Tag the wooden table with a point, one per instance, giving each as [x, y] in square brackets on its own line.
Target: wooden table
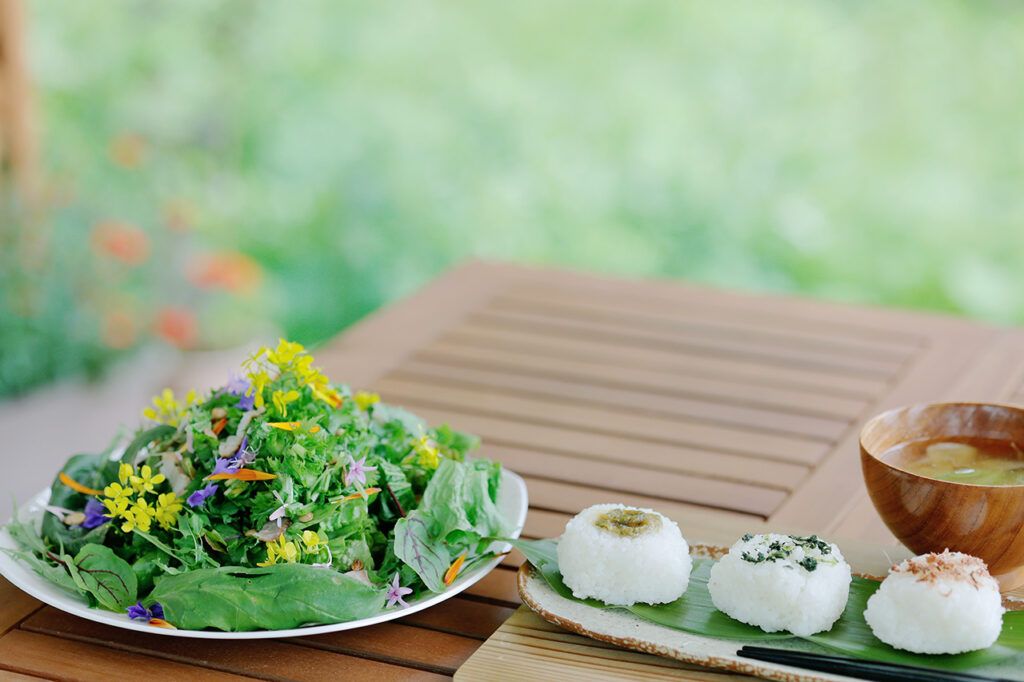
[723, 411]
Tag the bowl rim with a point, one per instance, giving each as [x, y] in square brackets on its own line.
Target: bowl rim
[953, 403]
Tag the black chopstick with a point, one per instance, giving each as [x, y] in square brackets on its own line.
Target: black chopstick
[857, 667]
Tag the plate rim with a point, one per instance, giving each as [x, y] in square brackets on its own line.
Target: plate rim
[512, 491]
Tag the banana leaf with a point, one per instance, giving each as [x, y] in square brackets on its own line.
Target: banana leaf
[695, 613]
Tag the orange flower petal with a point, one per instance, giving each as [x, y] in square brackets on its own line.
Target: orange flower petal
[219, 426]
[356, 496]
[243, 475]
[78, 487]
[161, 623]
[290, 426]
[453, 570]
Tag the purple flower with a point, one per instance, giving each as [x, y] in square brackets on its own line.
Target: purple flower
[95, 514]
[225, 465]
[246, 402]
[396, 592]
[140, 612]
[197, 498]
[357, 472]
[237, 384]
[245, 454]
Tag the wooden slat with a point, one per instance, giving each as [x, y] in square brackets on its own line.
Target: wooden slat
[672, 374]
[462, 617]
[65, 659]
[614, 449]
[552, 412]
[498, 587]
[737, 496]
[528, 648]
[9, 676]
[288, 659]
[642, 311]
[422, 648]
[15, 605]
[765, 350]
[766, 419]
[572, 496]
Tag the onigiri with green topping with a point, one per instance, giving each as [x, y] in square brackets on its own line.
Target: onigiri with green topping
[782, 582]
[624, 555]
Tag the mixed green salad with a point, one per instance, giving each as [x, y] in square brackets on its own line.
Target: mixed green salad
[275, 501]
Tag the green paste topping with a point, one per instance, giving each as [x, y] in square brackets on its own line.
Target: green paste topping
[628, 523]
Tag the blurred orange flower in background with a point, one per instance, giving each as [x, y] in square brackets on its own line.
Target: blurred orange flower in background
[179, 214]
[119, 329]
[121, 241]
[229, 270]
[177, 326]
[127, 150]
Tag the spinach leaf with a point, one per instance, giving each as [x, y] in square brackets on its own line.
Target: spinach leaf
[420, 551]
[276, 597]
[106, 576]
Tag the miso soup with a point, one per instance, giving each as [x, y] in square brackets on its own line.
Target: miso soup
[979, 461]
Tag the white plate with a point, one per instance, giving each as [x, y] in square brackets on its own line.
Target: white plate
[512, 501]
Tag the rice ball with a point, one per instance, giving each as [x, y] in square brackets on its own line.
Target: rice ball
[782, 582]
[623, 555]
[944, 603]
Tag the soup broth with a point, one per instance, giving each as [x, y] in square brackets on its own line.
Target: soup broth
[979, 461]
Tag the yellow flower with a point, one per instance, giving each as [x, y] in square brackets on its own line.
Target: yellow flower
[129, 521]
[259, 381]
[116, 492]
[281, 400]
[142, 514]
[285, 353]
[165, 409]
[167, 507]
[313, 541]
[364, 399]
[282, 550]
[116, 506]
[428, 452]
[191, 398]
[146, 480]
[124, 472]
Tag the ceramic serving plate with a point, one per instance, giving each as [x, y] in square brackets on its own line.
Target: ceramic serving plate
[623, 629]
[512, 500]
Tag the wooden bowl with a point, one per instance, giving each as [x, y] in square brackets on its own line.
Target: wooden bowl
[929, 515]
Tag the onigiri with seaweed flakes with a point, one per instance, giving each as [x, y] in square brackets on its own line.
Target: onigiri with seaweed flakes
[782, 582]
[624, 555]
[944, 603]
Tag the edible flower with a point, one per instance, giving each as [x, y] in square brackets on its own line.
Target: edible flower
[427, 451]
[453, 570]
[237, 384]
[281, 400]
[355, 496]
[313, 541]
[243, 475]
[281, 549]
[94, 514]
[291, 426]
[225, 465]
[144, 482]
[167, 410]
[197, 498]
[357, 472]
[364, 399]
[140, 612]
[139, 516]
[167, 508]
[396, 592]
[246, 402]
[76, 486]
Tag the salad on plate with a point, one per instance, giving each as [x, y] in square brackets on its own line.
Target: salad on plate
[276, 501]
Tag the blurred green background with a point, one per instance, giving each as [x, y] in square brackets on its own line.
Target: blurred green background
[332, 156]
